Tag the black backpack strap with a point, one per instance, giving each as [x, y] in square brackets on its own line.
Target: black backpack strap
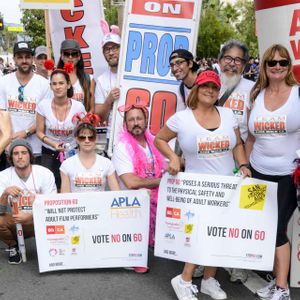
[181, 90]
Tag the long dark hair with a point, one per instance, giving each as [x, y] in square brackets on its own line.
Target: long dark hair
[82, 77]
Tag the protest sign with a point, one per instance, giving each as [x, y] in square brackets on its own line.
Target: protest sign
[83, 25]
[216, 220]
[152, 30]
[47, 4]
[277, 22]
[92, 230]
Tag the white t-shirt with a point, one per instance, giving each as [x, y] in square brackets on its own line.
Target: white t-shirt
[277, 135]
[40, 181]
[78, 91]
[104, 84]
[23, 112]
[205, 151]
[59, 131]
[122, 161]
[87, 180]
[239, 102]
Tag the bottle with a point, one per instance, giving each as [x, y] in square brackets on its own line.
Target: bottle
[69, 151]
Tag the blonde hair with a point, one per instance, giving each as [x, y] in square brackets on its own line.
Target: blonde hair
[263, 81]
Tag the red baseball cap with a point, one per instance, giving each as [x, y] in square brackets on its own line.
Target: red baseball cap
[208, 76]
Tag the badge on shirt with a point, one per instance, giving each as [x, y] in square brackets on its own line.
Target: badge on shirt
[270, 125]
[212, 146]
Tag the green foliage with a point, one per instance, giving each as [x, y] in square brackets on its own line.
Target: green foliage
[110, 12]
[212, 34]
[34, 24]
[7, 40]
[245, 26]
[221, 21]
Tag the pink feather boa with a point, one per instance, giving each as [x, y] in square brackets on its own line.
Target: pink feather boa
[139, 160]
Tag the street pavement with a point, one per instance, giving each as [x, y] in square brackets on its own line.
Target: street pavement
[24, 282]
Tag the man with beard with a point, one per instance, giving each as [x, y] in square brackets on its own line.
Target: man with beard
[138, 163]
[22, 181]
[106, 91]
[20, 92]
[184, 68]
[235, 90]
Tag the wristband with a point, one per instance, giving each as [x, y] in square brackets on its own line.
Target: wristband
[244, 165]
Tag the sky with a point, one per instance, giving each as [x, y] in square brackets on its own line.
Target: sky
[11, 11]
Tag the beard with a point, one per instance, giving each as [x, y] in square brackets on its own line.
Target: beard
[139, 133]
[228, 82]
[25, 71]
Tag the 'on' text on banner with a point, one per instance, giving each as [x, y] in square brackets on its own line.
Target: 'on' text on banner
[92, 230]
[217, 221]
[152, 30]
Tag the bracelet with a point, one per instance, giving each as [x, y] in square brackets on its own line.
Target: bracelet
[244, 165]
[43, 138]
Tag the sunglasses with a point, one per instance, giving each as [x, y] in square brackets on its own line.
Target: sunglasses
[21, 93]
[82, 138]
[282, 63]
[125, 108]
[71, 54]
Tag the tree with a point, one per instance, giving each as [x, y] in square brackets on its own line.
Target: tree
[245, 26]
[34, 24]
[110, 12]
[213, 31]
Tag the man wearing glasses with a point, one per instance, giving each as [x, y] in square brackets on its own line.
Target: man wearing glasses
[106, 91]
[184, 68]
[235, 90]
[20, 93]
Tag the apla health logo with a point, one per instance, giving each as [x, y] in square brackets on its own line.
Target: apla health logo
[125, 202]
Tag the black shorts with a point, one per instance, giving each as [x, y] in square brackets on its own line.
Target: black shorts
[286, 200]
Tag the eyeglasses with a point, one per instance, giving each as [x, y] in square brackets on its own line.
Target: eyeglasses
[237, 60]
[82, 138]
[282, 63]
[21, 93]
[177, 63]
[71, 54]
[114, 48]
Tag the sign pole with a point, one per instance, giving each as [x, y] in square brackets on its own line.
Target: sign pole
[47, 29]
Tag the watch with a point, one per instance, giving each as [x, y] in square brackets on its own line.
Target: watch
[27, 131]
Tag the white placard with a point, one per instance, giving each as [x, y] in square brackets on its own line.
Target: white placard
[83, 25]
[92, 230]
[152, 30]
[215, 220]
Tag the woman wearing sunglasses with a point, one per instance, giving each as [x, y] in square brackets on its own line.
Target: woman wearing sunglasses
[54, 123]
[82, 82]
[87, 171]
[274, 126]
[202, 122]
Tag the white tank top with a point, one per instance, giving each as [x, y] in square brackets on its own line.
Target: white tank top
[277, 135]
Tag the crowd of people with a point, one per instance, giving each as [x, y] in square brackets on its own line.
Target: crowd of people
[48, 137]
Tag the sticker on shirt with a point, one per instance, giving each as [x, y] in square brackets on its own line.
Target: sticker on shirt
[25, 201]
[270, 125]
[212, 146]
[236, 102]
[61, 131]
[25, 107]
[92, 181]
